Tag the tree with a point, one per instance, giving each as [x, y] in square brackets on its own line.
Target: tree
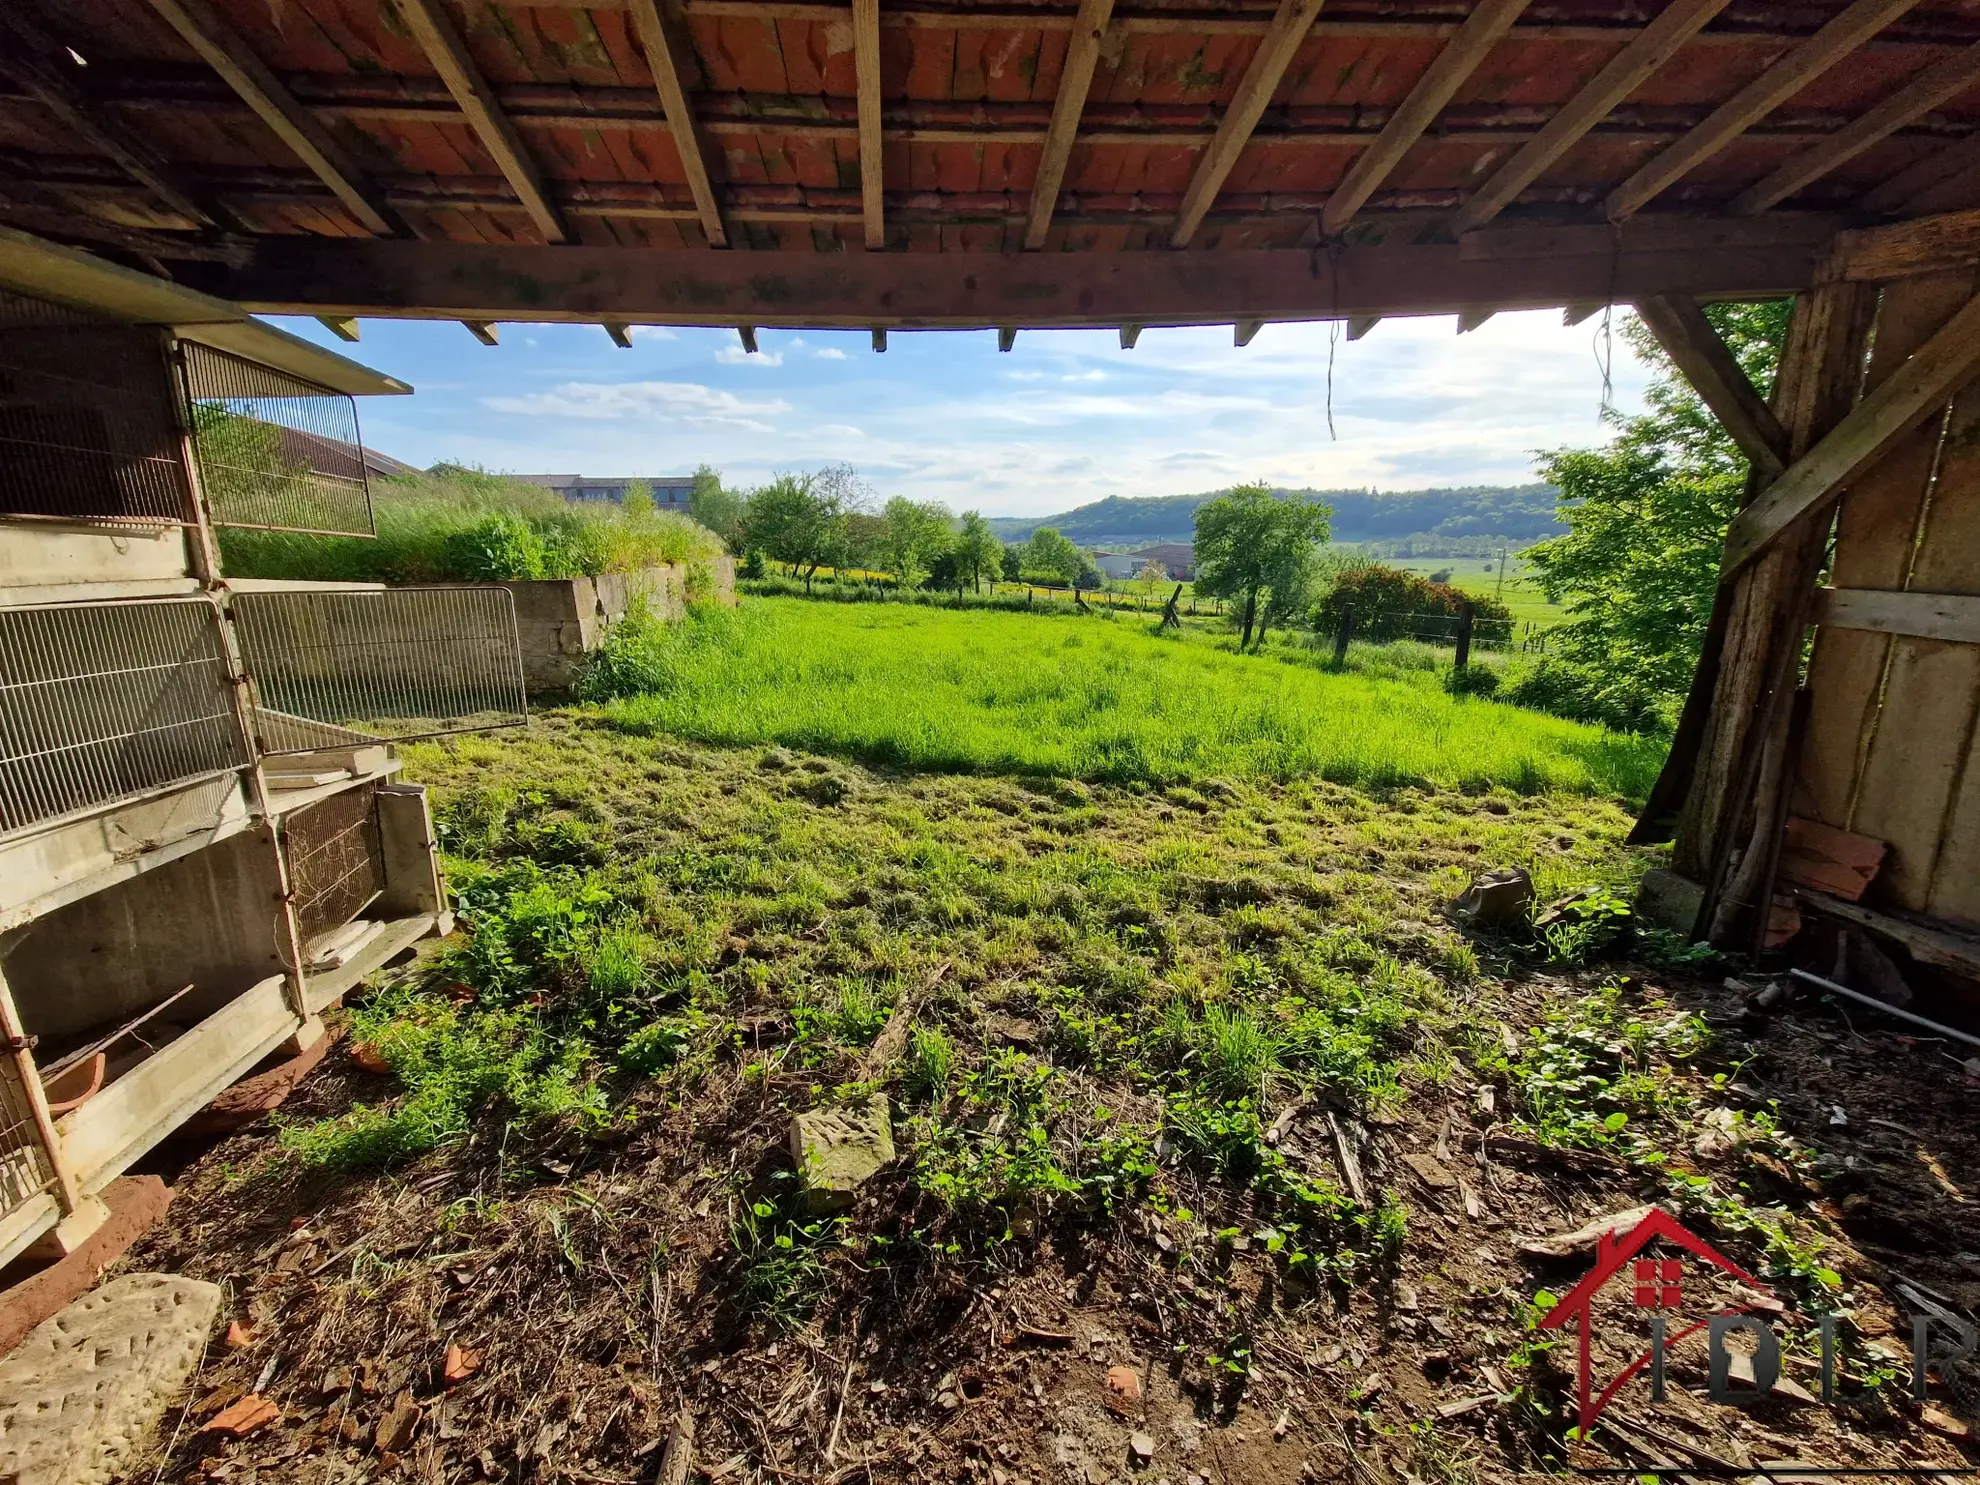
[914, 534]
[1051, 555]
[978, 551]
[717, 508]
[638, 499]
[1251, 543]
[1647, 516]
[789, 521]
[1013, 564]
[1150, 576]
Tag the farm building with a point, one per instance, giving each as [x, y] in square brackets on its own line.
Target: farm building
[669, 491]
[1115, 564]
[1018, 167]
[203, 840]
[1177, 558]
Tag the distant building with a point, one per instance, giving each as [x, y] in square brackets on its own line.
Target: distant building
[335, 456]
[670, 491]
[1116, 564]
[1179, 557]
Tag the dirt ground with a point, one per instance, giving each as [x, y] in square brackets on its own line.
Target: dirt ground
[543, 1304]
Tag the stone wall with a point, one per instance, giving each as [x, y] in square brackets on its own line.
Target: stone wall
[561, 620]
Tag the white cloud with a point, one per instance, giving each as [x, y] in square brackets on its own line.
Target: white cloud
[653, 332]
[1094, 375]
[829, 353]
[735, 355]
[675, 402]
[844, 430]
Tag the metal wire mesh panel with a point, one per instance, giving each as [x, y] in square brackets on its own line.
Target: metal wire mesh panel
[275, 452]
[336, 863]
[88, 426]
[103, 701]
[25, 1171]
[402, 662]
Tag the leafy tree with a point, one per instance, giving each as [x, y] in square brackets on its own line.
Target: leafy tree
[1253, 544]
[1647, 516]
[717, 508]
[977, 550]
[1013, 564]
[1150, 576]
[1051, 555]
[789, 520]
[915, 534]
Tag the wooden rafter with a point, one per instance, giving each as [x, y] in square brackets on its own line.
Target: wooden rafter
[1006, 337]
[344, 327]
[1949, 243]
[1482, 30]
[483, 331]
[1627, 71]
[1290, 24]
[1938, 84]
[688, 143]
[1716, 375]
[879, 339]
[1360, 325]
[29, 60]
[620, 333]
[1130, 334]
[444, 48]
[1470, 319]
[1082, 53]
[1906, 398]
[1905, 192]
[1244, 330]
[222, 49]
[1772, 88]
[872, 171]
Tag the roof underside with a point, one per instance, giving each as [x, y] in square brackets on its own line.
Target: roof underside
[546, 127]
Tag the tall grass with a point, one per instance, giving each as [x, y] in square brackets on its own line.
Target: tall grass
[465, 525]
[1090, 697]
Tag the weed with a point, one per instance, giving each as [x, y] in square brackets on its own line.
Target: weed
[780, 1258]
[931, 1057]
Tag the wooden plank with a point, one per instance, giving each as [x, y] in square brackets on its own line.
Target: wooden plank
[1470, 319]
[1130, 334]
[1946, 243]
[1483, 29]
[1876, 533]
[1007, 337]
[1830, 860]
[1082, 53]
[342, 326]
[1928, 942]
[620, 333]
[442, 44]
[1903, 194]
[1717, 377]
[1913, 392]
[872, 175]
[376, 277]
[1624, 73]
[1291, 22]
[29, 61]
[662, 61]
[1937, 84]
[222, 49]
[747, 335]
[1951, 617]
[1780, 82]
[483, 331]
[1652, 234]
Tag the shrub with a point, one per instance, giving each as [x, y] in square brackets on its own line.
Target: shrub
[1584, 694]
[1389, 603]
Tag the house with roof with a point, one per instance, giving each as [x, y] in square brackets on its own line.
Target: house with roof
[1178, 558]
[670, 491]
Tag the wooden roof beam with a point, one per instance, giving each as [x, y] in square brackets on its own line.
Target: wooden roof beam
[1905, 399]
[661, 61]
[872, 176]
[1360, 325]
[31, 62]
[879, 339]
[443, 47]
[1006, 337]
[1082, 53]
[1461, 56]
[620, 333]
[1290, 24]
[1717, 377]
[482, 330]
[1768, 91]
[1574, 314]
[747, 335]
[1130, 336]
[1470, 319]
[1243, 332]
[344, 327]
[1937, 84]
[222, 49]
[1625, 72]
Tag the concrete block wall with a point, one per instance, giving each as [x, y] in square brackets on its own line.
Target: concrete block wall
[561, 620]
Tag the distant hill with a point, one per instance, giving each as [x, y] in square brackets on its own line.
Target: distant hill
[1515, 513]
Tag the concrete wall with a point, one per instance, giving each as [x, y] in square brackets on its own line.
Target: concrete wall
[561, 620]
[43, 561]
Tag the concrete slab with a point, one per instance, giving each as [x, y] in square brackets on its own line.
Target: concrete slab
[86, 1388]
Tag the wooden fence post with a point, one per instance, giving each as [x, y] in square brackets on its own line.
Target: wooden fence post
[1343, 633]
[1466, 615]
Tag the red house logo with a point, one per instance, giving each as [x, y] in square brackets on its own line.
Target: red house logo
[1657, 1285]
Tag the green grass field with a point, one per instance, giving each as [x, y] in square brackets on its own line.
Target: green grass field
[1098, 698]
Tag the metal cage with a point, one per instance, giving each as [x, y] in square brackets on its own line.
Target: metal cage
[336, 859]
[275, 452]
[25, 1169]
[392, 663]
[101, 702]
[89, 430]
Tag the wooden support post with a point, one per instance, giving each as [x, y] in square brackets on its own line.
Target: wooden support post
[1467, 617]
[1343, 632]
[483, 331]
[621, 334]
[344, 327]
[879, 339]
[1006, 337]
[1129, 335]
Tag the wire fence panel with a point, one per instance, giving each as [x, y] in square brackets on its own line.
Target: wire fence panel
[104, 701]
[275, 452]
[25, 1170]
[336, 861]
[88, 427]
[396, 663]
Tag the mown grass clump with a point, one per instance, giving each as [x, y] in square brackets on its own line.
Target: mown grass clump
[463, 525]
[1091, 698]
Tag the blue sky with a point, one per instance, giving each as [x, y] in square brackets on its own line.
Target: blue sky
[1065, 418]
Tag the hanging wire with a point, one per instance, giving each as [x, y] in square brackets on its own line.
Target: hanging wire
[1605, 356]
[1333, 339]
